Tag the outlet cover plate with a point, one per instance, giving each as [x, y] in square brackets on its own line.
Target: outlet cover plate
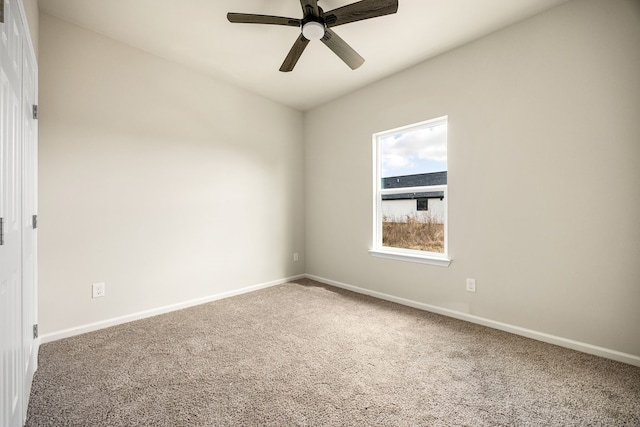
[471, 285]
[98, 290]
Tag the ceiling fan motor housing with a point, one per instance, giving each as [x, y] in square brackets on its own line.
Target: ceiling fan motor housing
[313, 30]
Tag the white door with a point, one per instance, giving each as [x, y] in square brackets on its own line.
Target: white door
[18, 260]
[29, 230]
[11, 214]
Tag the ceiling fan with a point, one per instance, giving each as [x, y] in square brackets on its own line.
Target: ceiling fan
[316, 24]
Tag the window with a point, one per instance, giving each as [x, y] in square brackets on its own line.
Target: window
[422, 204]
[410, 193]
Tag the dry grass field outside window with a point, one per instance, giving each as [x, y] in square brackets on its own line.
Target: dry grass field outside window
[421, 232]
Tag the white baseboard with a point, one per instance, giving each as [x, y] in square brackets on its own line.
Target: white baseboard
[66, 333]
[540, 336]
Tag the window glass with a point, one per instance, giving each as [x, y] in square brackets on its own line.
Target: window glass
[411, 188]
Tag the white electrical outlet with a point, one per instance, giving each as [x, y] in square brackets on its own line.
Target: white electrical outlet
[295, 257]
[471, 285]
[98, 290]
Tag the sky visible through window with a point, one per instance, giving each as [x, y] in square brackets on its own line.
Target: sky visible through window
[414, 151]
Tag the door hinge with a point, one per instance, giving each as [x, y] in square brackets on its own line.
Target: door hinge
[34, 221]
[35, 331]
[35, 112]
[1, 227]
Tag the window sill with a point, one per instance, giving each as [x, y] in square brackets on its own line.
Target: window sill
[411, 256]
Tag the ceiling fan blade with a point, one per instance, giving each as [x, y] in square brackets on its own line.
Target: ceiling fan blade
[358, 11]
[342, 49]
[294, 54]
[249, 18]
[310, 7]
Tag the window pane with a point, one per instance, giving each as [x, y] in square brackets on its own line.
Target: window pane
[414, 151]
[414, 157]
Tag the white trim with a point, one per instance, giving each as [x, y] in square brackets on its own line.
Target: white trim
[410, 256]
[66, 333]
[540, 336]
[377, 200]
[427, 123]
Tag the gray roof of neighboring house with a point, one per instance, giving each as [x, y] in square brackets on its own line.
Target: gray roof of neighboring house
[405, 196]
[418, 180]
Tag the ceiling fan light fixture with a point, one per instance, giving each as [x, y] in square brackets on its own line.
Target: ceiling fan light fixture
[313, 30]
[316, 24]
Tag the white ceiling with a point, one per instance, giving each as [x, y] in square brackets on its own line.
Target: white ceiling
[197, 34]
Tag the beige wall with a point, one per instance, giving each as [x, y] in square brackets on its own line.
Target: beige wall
[164, 183]
[543, 124]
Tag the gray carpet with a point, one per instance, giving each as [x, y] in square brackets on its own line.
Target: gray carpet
[308, 354]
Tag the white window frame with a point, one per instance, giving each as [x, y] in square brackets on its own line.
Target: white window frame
[378, 250]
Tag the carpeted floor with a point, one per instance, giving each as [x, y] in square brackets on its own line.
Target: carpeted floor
[308, 354]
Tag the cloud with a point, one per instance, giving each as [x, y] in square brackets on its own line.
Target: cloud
[415, 151]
